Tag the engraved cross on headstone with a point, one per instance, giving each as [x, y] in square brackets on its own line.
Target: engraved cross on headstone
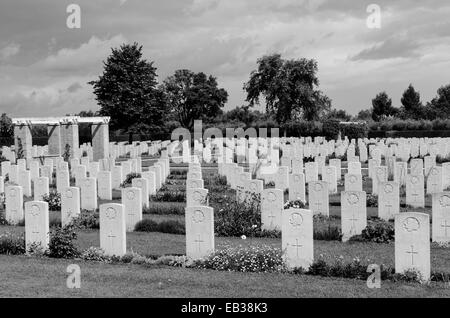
[412, 252]
[297, 246]
[446, 226]
[111, 237]
[199, 241]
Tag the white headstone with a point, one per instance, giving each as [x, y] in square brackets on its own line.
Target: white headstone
[199, 231]
[88, 190]
[113, 229]
[14, 204]
[131, 200]
[36, 225]
[318, 199]
[271, 209]
[70, 204]
[388, 200]
[353, 213]
[441, 217]
[415, 193]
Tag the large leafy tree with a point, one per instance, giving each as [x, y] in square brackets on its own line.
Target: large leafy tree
[6, 126]
[382, 107]
[127, 92]
[411, 104]
[193, 96]
[439, 107]
[289, 88]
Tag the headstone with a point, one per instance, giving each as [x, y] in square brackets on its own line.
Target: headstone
[329, 176]
[40, 188]
[88, 190]
[416, 167]
[142, 184]
[25, 182]
[353, 213]
[434, 180]
[62, 180]
[412, 243]
[297, 238]
[199, 231]
[380, 175]
[150, 176]
[311, 172]
[113, 229]
[441, 217]
[104, 185]
[318, 197]
[337, 163]
[36, 225]
[14, 204]
[388, 200]
[132, 201]
[116, 177]
[70, 204]
[354, 168]
[353, 182]
[297, 187]
[415, 193]
[196, 197]
[271, 209]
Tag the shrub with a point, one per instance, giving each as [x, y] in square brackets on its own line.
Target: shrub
[53, 199]
[86, 220]
[376, 231]
[331, 233]
[170, 226]
[95, 254]
[355, 131]
[11, 244]
[245, 259]
[169, 196]
[164, 209]
[331, 128]
[236, 218]
[296, 204]
[371, 200]
[61, 243]
[129, 178]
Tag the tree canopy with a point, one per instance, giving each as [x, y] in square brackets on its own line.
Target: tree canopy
[194, 96]
[127, 92]
[289, 88]
[382, 107]
[411, 105]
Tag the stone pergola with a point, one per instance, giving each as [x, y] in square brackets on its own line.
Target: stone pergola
[63, 131]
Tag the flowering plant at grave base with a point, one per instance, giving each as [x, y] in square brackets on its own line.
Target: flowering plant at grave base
[36, 250]
[296, 204]
[371, 200]
[11, 244]
[95, 254]
[53, 199]
[86, 220]
[129, 178]
[376, 231]
[261, 258]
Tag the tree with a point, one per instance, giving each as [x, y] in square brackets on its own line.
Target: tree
[411, 104]
[439, 107]
[194, 96]
[365, 114]
[338, 114]
[288, 87]
[6, 126]
[127, 92]
[382, 107]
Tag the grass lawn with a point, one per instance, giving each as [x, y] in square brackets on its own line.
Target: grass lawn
[40, 277]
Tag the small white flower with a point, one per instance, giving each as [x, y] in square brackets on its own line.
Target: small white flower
[243, 237]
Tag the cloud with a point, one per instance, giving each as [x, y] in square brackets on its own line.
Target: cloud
[9, 51]
[389, 49]
[74, 87]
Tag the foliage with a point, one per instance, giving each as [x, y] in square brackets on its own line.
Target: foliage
[296, 204]
[288, 88]
[439, 107]
[371, 200]
[193, 96]
[94, 254]
[6, 126]
[331, 128]
[170, 226]
[62, 242]
[331, 233]
[382, 107]
[169, 196]
[355, 130]
[245, 259]
[376, 231]
[12, 244]
[129, 179]
[66, 154]
[164, 209]
[236, 218]
[53, 199]
[86, 220]
[127, 92]
[20, 153]
[411, 105]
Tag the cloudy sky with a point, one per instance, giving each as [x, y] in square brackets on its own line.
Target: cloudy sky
[45, 66]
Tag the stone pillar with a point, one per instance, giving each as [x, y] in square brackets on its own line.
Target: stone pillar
[23, 132]
[54, 140]
[100, 141]
[69, 136]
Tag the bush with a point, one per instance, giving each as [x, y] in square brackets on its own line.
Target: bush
[355, 131]
[245, 259]
[164, 209]
[170, 226]
[296, 204]
[61, 243]
[376, 231]
[95, 254]
[86, 220]
[53, 199]
[331, 128]
[331, 233]
[371, 200]
[236, 218]
[11, 244]
[169, 196]
[128, 180]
